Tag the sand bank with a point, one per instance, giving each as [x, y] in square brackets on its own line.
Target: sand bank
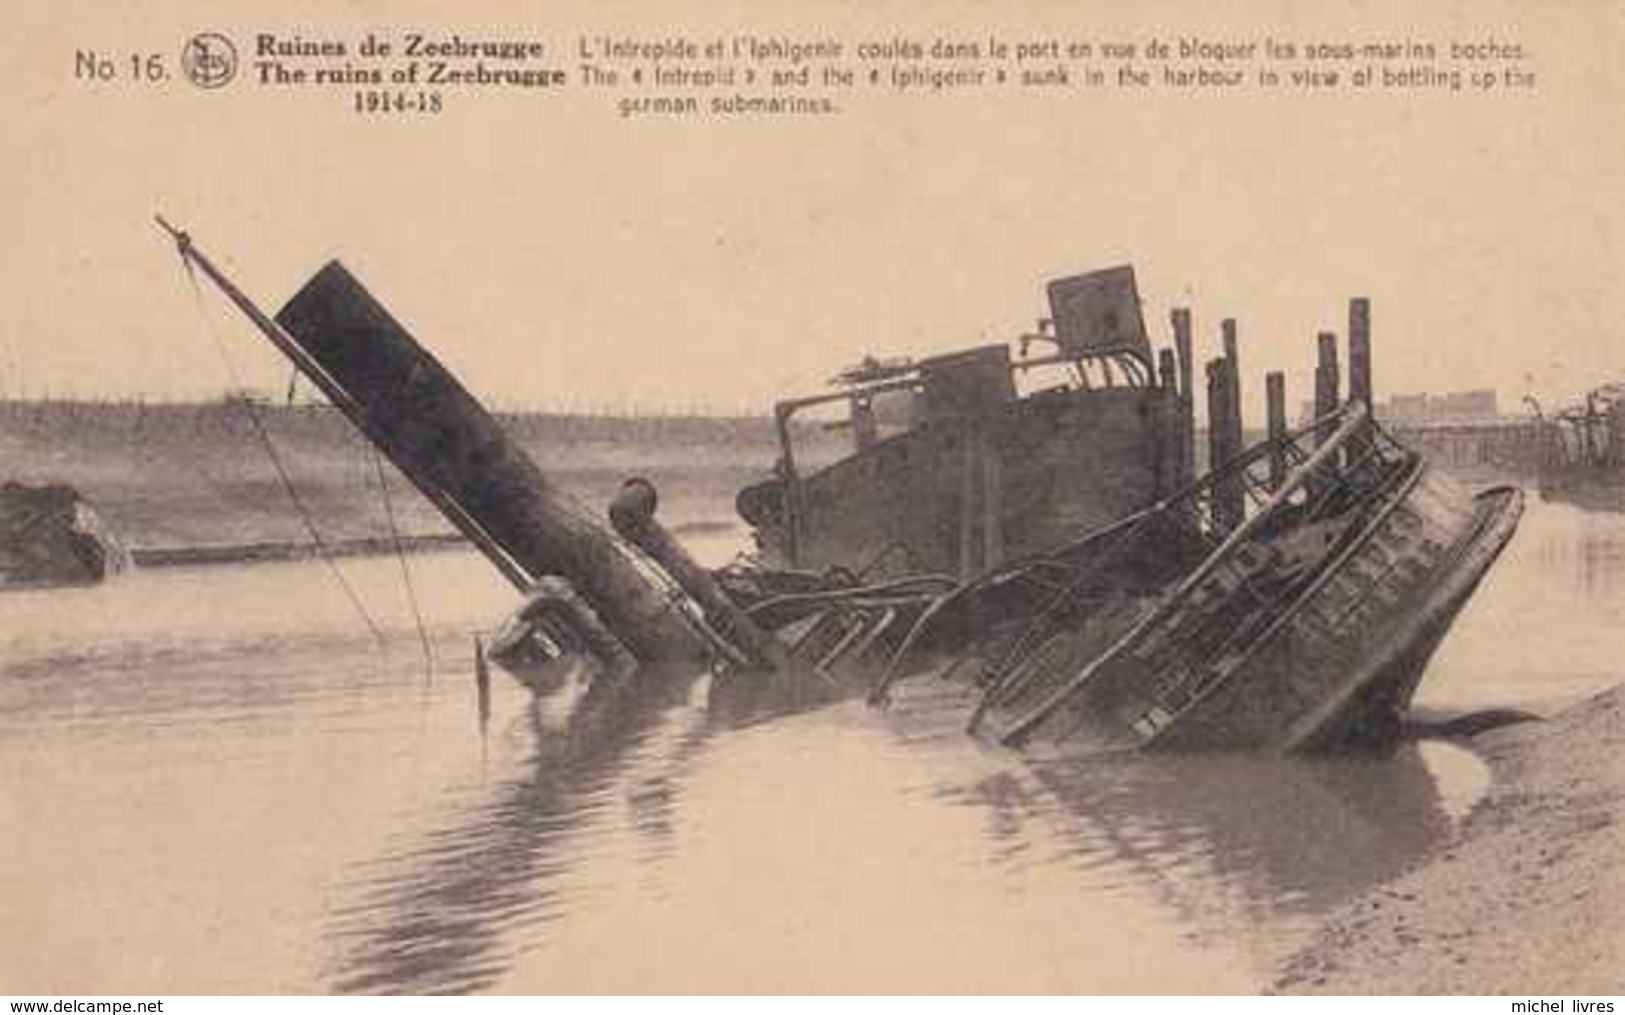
[1530, 897]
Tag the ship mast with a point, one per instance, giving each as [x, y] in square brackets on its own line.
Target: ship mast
[335, 393]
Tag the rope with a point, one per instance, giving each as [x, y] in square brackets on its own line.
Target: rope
[286, 480]
[400, 555]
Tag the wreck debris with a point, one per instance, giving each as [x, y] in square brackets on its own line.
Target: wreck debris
[50, 535]
[414, 411]
[1308, 626]
[1585, 459]
[1304, 624]
[632, 513]
[1288, 599]
[554, 622]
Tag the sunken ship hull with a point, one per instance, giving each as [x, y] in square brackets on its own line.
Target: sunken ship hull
[1343, 667]
[953, 497]
[1288, 599]
[990, 457]
[1306, 628]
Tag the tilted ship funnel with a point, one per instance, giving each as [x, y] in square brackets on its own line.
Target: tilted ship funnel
[436, 433]
[413, 410]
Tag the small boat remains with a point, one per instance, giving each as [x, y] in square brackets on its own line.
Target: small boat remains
[50, 535]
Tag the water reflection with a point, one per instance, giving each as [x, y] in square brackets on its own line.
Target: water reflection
[1283, 835]
[226, 788]
[1244, 851]
[438, 918]
[621, 808]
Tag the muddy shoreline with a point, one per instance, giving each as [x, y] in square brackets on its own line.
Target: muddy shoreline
[1526, 899]
[265, 551]
[260, 552]
[183, 484]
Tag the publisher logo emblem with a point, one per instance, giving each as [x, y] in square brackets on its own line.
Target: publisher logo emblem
[209, 59]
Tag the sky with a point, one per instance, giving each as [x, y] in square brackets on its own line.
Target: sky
[556, 256]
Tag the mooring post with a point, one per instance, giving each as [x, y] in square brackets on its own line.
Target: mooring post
[969, 479]
[1170, 471]
[1233, 488]
[1167, 375]
[1180, 317]
[1360, 366]
[1325, 381]
[792, 483]
[1275, 398]
[1360, 350]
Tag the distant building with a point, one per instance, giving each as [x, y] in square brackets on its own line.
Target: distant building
[1452, 407]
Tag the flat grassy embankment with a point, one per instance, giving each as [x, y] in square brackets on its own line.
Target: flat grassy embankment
[188, 476]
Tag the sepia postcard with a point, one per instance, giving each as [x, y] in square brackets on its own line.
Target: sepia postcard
[560, 498]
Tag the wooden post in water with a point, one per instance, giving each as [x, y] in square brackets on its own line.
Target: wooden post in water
[1181, 319]
[1215, 416]
[1229, 497]
[1171, 474]
[1275, 398]
[1360, 350]
[1168, 375]
[482, 685]
[1232, 360]
[970, 469]
[1325, 381]
[1233, 489]
[1360, 368]
[632, 513]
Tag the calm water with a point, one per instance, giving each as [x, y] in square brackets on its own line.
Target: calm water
[215, 781]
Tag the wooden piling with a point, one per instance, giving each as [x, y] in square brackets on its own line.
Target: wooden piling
[1232, 360]
[1360, 350]
[1233, 490]
[1180, 317]
[1171, 470]
[1360, 370]
[1275, 399]
[1229, 495]
[1326, 376]
[992, 508]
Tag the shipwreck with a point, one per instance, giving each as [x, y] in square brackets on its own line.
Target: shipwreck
[50, 535]
[1584, 463]
[959, 460]
[1048, 547]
